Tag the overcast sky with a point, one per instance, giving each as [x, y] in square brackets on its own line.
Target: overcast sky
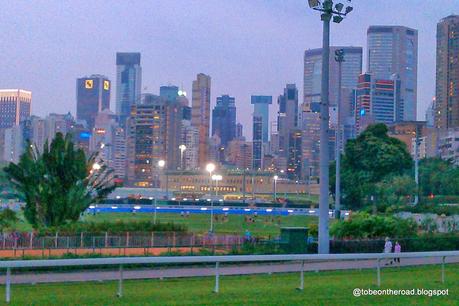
[247, 47]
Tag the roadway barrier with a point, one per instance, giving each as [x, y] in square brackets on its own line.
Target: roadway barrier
[120, 261]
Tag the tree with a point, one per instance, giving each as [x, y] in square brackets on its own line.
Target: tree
[437, 176]
[8, 219]
[368, 160]
[59, 183]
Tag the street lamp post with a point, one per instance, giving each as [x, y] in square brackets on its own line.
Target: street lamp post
[162, 164]
[210, 167]
[182, 148]
[215, 178]
[275, 178]
[339, 57]
[328, 11]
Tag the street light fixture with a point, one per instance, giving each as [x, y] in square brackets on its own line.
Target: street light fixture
[328, 12]
[162, 165]
[182, 148]
[275, 178]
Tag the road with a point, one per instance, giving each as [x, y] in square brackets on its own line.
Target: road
[84, 276]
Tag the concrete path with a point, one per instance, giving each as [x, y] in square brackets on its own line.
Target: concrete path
[91, 275]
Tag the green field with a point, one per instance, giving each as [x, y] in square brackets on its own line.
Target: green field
[200, 223]
[323, 288]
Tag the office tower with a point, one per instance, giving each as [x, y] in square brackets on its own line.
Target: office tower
[351, 69]
[447, 76]
[430, 114]
[14, 106]
[310, 127]
[200, 115]
[154, 134]
[190, 138]
[377, 101]
[295, 152]
[257, 142]
[34, 131]
[169, 92]
[240, 131]
[224, 119]
[128, 83]
[58, 123]
[93, 96]
[13, 144]
[287, 118]
[393, 50]
[240, 154]
[261, 109]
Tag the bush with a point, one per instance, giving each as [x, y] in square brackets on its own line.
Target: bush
[112, 227]
[433, 208]
[363, 225]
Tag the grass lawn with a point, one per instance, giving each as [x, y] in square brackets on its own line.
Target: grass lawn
[200, 223]
[323, 288]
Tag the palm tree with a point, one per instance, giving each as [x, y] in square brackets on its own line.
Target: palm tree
[59, 183]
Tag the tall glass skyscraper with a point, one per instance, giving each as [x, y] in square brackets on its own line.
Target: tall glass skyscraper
[351, 69]
[128, 83]
[393, 50]
[224, 119]
[261, 109]
[93, 96]
[200, 115]
[447, 85]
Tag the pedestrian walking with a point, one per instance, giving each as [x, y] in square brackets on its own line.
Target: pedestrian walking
[388, 249]
[397, 251]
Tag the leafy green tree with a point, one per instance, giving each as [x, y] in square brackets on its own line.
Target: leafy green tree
[368, 160]
[396, 190]
[8, 219]
[59, 183]
[438, 177]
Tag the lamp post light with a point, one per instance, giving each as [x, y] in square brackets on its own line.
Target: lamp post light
[162, 165]
[182, 148]
[275, 178]
[328, 12]
[339, 57]
[216, 178]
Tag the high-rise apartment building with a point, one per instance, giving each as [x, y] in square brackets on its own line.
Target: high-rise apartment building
[200, 115]
[447, 76]
[128, 83]
[224, 119]
[393, 50]
[257, 142]
[93, 96]
[14, 106]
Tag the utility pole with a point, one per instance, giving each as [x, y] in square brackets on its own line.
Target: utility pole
[339, 57]
[416, 163]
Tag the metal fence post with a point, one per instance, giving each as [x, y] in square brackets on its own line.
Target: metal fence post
[379, 272]
[31, 240]
[302, 276]
[55, 240]
[217, 277]
[81, 240]
[120, 282]
[106, 239]
[443, 270]
[8, 285]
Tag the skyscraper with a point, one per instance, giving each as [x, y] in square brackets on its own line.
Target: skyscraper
[447, 84]
[14, 106]
[261, 109]
[128, 83]
[224, 119]
[287, 118]
[394, 50]
[351, 69]
[93, 96]
[257, 141]
[200, 115]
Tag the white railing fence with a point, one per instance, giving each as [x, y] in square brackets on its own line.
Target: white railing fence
[120, 261]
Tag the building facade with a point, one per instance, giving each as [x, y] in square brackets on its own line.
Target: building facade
[93, 96]
[393, 50]
[200, 115]
[15, 106]
[287, 118]
[447, 74]
[128, 83]
[224, 119]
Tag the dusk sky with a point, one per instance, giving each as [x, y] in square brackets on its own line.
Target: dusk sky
[247, 47]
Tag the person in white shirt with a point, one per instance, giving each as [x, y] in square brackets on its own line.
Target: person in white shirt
[388, 249]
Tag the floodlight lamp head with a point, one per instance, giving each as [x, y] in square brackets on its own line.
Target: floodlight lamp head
[313, 3]
[348, 9]
[339, 7]
[337, 19]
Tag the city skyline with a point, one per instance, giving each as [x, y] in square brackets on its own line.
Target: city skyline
[177, 53]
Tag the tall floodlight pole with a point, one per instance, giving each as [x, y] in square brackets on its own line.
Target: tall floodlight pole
[339, 57]
[328, 11]
[416, 163]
